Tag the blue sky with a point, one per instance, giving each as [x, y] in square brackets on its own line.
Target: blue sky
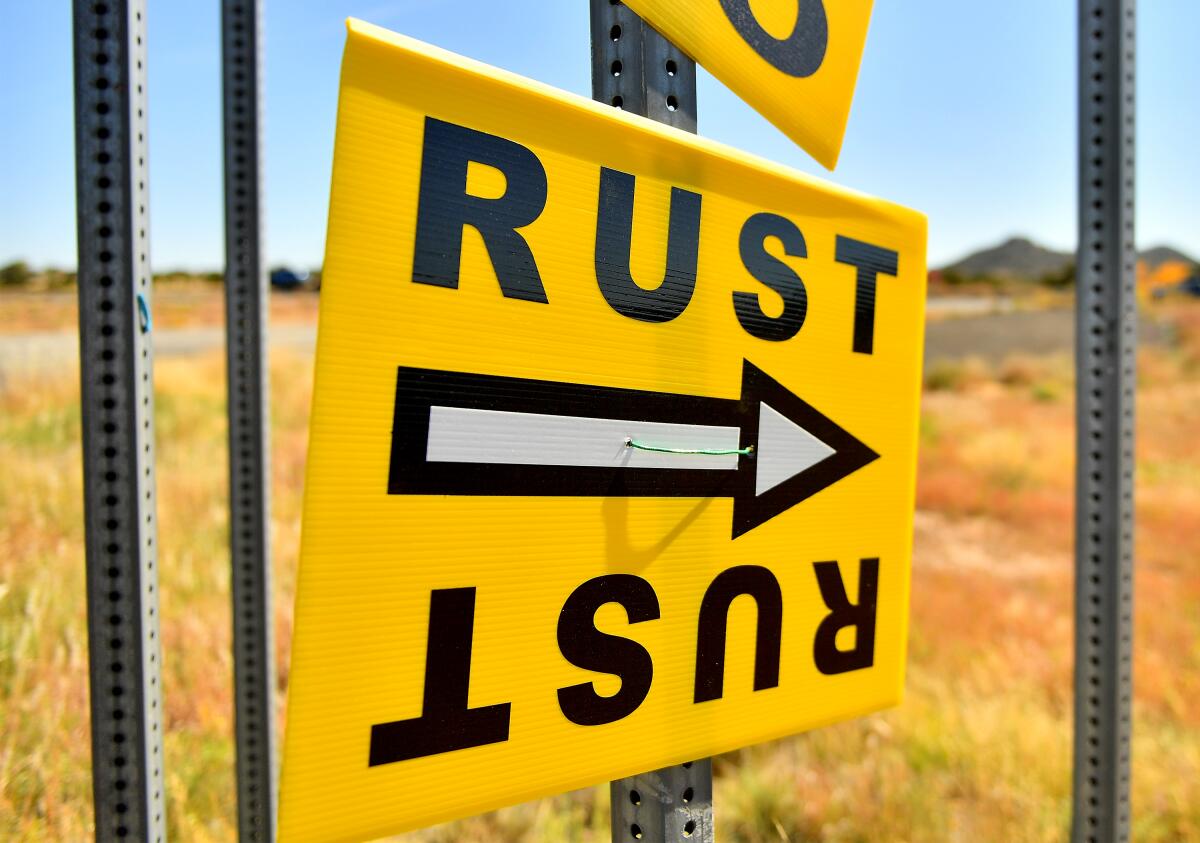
[964, 110]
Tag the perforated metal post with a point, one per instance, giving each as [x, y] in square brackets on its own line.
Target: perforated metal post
[249, 475]
[636, 69]
[117, 404]
[1106, 348]
[674, 803]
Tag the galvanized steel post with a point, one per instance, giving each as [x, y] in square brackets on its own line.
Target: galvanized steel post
[636, 69]
[117, 406]
[249, 474]
[1106, 346]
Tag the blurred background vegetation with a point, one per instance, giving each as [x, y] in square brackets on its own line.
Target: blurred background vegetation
[980, 749]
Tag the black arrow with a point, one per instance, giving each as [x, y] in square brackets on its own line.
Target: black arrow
[457, 433]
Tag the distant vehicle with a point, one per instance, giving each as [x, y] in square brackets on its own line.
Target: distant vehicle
[1190, 286]
[287, 279]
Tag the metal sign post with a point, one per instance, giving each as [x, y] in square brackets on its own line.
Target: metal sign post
[117, 404]
[636, 69]
[249, 476]
[1106, 345]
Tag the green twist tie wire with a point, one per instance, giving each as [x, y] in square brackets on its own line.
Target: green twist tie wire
[701, 452]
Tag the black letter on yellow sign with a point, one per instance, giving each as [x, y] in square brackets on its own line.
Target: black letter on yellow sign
[760, 584]
[871, 262]
[842, 613]
[614, 233]
[585, 646]
[446, 723]
[444, 207]
[801, 53]
[776, 274]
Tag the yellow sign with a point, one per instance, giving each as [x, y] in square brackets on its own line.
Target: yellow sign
[795, 61]
[612, 452]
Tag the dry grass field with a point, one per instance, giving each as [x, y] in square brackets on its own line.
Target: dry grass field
[177, 304]
[979, 751]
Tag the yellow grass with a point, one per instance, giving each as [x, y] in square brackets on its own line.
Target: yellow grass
[979, 751]
[177, 304]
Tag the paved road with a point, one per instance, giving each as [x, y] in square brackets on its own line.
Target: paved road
[995, 336]
[991, 336]
[942, 306]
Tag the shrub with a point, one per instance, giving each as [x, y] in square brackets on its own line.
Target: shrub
[956, 375]
[1061, 279]
[16, 274]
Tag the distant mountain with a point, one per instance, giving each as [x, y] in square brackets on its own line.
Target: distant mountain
[1159, 255]
[1017, 257]
[1021, 258]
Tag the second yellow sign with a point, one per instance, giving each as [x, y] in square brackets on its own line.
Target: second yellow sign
[795, 62]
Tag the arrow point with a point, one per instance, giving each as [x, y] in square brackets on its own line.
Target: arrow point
[798, 451]
[784, 450]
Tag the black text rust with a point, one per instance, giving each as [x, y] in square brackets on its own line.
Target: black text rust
[444, 208]
[448, 723]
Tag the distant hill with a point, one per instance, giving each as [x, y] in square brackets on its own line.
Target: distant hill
[1155, 258]
[1021, 258]
[1017, 257]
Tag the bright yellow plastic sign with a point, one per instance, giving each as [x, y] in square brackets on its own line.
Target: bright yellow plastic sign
[505, 591]
[795, 61]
